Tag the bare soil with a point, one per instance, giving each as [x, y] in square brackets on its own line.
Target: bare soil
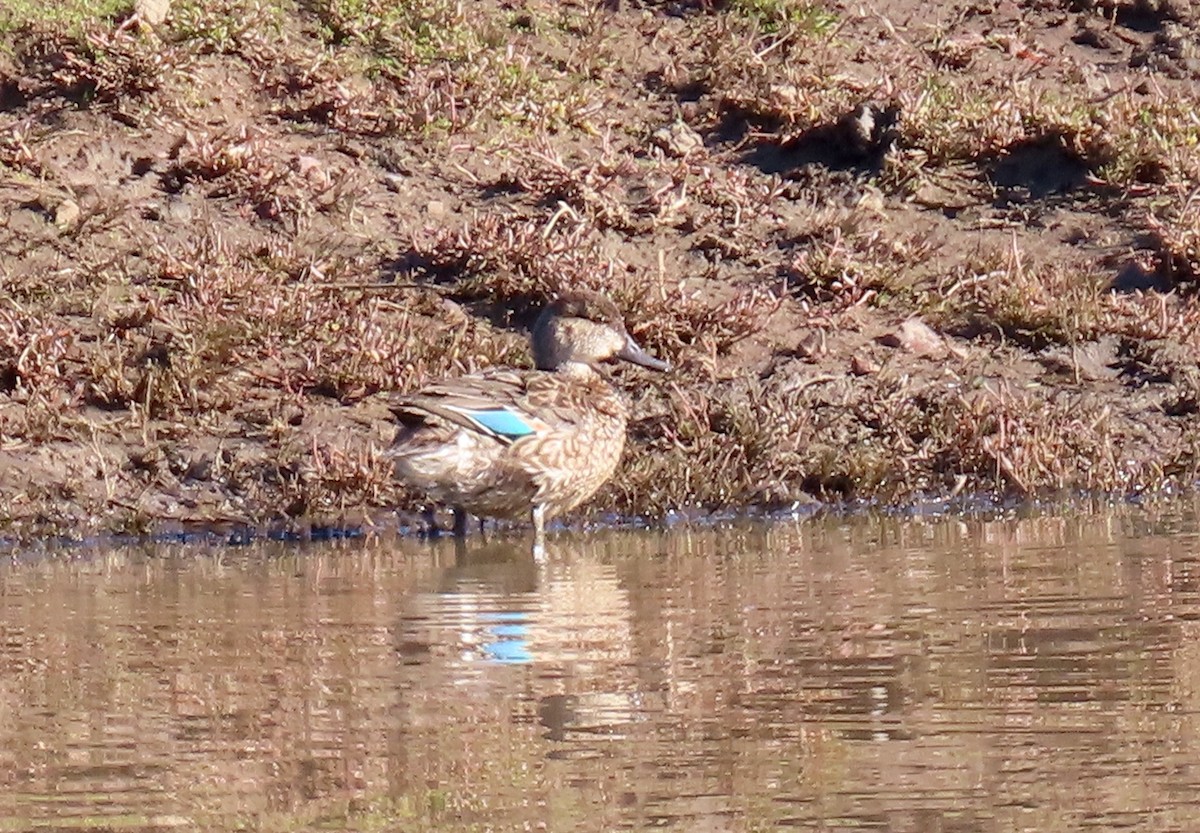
[894, 251]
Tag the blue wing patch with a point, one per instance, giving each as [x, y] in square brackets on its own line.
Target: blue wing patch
[502, 423]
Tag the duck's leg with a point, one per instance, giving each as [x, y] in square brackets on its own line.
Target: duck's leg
[432, 530]
[539, 531]
[460, 522]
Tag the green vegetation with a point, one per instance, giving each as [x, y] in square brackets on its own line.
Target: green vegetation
[773, 15]
[69, 16]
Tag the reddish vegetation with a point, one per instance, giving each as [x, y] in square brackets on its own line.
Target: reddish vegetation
[888, 255]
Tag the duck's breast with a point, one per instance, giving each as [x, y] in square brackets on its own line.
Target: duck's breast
[574, 459]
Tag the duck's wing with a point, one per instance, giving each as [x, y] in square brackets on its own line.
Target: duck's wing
[503, 404]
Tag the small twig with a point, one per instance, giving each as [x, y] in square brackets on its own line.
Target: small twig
[815, 380]
[373, 287]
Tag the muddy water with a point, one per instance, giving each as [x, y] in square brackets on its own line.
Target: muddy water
[1039, 674]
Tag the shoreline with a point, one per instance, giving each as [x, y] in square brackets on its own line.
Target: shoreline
[966, 508]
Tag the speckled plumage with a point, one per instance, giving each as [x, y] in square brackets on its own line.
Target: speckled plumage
[562, 429]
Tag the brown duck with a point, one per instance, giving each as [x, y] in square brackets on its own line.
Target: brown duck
[505, 442]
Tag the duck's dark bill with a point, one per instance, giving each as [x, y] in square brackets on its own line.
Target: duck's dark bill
[631, 352]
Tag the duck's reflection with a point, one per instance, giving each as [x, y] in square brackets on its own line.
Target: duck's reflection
[563, 622]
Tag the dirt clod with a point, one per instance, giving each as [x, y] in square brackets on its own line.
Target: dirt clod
[917, 338]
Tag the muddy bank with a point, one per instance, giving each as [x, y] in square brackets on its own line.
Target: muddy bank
[888, 257]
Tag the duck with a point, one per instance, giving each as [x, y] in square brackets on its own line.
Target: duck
[509, 443]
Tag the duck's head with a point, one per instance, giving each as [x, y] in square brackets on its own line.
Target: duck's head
[585, 328]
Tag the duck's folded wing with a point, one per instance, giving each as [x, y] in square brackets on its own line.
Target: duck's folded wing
[506, 405]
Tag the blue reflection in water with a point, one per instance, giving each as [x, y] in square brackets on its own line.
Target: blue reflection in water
[510, 644]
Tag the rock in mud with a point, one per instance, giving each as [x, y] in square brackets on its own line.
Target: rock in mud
[677, 139]
[152, 12]
[918, 338]
[870, 128]
[863, 364]
[67, 214]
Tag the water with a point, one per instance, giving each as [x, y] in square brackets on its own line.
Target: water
[1038, 674]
